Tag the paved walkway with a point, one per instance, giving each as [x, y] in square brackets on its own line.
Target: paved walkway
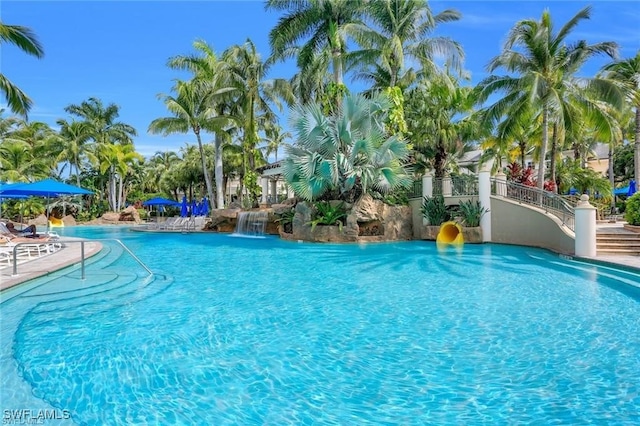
[621, 260]
[68, 255]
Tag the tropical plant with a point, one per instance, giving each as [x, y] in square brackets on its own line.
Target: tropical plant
[545, 83]
[401, 33]
[434, 210]
[471, 212]
[437, 114]
[25, 40]
[213, 76]
[324, 26]
[632, 210]
[347, 154]
[286, 220]
[328, 213]
[627, 73]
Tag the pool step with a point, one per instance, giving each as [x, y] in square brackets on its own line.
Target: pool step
[625, 243]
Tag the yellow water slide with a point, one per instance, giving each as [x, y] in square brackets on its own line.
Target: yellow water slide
[450, 234]
[55, 222]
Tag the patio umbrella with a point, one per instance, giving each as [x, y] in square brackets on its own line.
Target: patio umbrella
[621, 191]
[184, 209]
[204, 211]
[194, 208]
[159, 201]
[632, 188]
[45, 188]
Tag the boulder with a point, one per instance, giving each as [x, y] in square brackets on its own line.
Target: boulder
[130, 214]
[69, 220]
[39, 221]
[110, 217]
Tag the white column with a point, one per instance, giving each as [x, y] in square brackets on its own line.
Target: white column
[484, 195]
[427, 184]
[446, 186]
[274, 191]
[265, 190]
[585, 228]
[501, 184]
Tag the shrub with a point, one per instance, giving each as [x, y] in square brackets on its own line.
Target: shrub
[632, 210]
[434, 210]
[327, 213]
[471, 212]
[286, 221]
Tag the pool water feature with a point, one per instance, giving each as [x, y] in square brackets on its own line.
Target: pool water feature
[396, 333]
[251, 224]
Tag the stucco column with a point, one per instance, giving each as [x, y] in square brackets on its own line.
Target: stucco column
[274, 191]
[585, 228]
[446, 186]
[265, 190]
[484, 196]
[427, 184]
[501, 184]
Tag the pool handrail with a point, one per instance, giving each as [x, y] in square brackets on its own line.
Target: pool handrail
[82, 257]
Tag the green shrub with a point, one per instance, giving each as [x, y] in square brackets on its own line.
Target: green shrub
[632, 210]
[434, 210]
[286, 221]
[328, 214]
[471, 212]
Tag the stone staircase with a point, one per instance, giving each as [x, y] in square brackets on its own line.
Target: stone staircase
[618, 242]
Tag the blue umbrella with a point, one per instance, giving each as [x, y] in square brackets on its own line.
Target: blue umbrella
[205, 207]
[621, 191]
[194, 208]
[159, 201]
[44, 188]
[184, 209]
[632, 188]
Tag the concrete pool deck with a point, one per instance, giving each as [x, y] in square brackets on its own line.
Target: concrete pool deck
[70, 255]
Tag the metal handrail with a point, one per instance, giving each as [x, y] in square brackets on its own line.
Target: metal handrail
[460, 185]
[82, 258]
[545, 200]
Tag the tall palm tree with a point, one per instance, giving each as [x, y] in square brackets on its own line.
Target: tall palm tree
[191, 112]
[26, 41]
[546, 67]
[255, 95]
[627, 73]
[74, 136]
[275, 139]
[323, 26]
[104, 131]
[404, 29]
[213, 73]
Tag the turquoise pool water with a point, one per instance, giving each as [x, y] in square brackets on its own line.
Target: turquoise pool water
[262, 331]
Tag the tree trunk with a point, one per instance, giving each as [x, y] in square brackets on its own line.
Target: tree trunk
[207, 177]
[523, 150]
[543, 148]
[636, 153]
[217, 171]
[611, 178]
[552, 161]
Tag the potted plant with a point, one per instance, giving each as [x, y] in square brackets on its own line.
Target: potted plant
[435, 212]
[471, 213]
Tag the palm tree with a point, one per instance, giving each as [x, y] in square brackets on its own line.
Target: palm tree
[437, 117]
[275, 138]
[214, 74]
[74, 136]
[191, 112]
[546, 68]
[255, 97]
[347, 154]
[627, 73]
[26, 41]
[323, 26]
[404, 27]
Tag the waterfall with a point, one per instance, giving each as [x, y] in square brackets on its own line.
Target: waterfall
[251, 224]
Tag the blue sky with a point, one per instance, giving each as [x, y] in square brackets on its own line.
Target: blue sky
[117, 50]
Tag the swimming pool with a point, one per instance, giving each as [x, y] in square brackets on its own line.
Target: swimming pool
[251, 331]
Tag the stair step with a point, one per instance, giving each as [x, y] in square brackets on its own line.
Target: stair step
[619, 243]
[618, 252]
[620, 236]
